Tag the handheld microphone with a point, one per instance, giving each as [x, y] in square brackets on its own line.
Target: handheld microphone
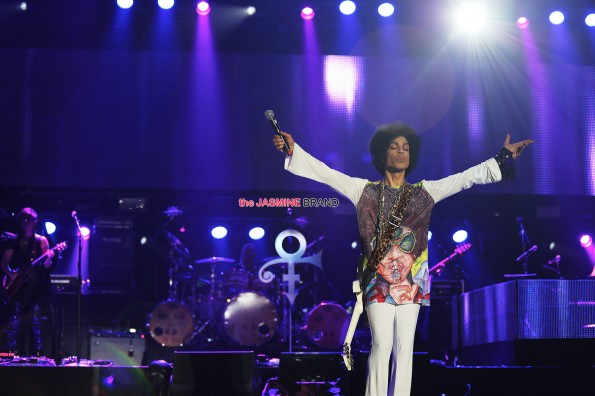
[271, 117]
[73, 214]
[533, 249]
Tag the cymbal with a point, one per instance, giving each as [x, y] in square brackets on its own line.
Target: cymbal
[213, 260]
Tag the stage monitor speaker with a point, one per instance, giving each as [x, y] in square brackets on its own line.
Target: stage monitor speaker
[123, 349]
[213, 373]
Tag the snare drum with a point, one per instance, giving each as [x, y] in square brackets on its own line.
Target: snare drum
[250, 319]
[171, 324]
[327, 325]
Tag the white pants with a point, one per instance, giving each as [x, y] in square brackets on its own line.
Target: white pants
[393, 331]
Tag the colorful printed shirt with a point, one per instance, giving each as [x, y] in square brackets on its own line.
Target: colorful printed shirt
[402, 277]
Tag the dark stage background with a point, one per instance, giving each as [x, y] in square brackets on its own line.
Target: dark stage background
[102, 107]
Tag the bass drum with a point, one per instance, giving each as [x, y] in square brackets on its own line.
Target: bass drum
[250, 319]
[327, 325]
[171, 324]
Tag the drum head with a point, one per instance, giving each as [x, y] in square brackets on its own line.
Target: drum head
[250, 319]
[171, 324]
[327, 325]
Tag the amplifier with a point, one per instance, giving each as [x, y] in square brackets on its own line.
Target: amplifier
[62, 283]
[122, 348]
[446, 288]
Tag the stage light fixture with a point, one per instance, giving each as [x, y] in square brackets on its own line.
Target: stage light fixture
[460, 236]
[586, 240]
[590, 20]
[219, 232]
[251, 10]
[429, 235]
[23, 6]
[203, 8]
[471, 17]
[165, 4]
[50, 227]
[522, 23]
[556, 17]
[354, 245]
[85, 233]
[125, 4]
[256, 233]
[307, 13]
[347, 7]
[386, 9]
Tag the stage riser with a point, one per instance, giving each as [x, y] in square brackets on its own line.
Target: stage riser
[528, 309]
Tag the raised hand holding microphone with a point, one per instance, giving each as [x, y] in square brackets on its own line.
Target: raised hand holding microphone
[282, 140]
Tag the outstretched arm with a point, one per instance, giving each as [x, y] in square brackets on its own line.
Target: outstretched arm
[303, 164]
[493, 170]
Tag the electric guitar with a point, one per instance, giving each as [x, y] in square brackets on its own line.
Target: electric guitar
[359, 305]
[459, 250]
[11, 286]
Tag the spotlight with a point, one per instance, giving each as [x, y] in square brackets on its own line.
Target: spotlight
[459, 236]
[354, 245]
[386, 9]
[203, 8]
[219, 232]
[50, 227]
[256, 233]
[85, 233]
[143, 240]
[590, 20]
[125, 4]
[471, 17]
[522, 23]
[429, 235]
[556, 17]
[23, 6]
[347, 7]
[586, 240]
[307, 13]
[251, 10]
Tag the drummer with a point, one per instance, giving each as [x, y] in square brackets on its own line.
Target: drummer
[248, 258]
[238, 279]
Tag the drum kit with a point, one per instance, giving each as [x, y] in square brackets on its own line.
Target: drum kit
[212, 303]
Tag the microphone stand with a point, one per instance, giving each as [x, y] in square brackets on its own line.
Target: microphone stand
[525, 243]
[79, 282]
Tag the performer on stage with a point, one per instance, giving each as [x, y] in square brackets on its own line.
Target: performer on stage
[31, 303]
[393, 220]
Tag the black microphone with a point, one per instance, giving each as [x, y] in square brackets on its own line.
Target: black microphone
[271, 117]
[533, 249]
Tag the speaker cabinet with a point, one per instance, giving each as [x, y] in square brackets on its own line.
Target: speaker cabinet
[123, 349]
[529, 322]
[111, 257]
[214, 373]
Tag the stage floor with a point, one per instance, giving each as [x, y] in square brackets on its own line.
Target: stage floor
[308, 373]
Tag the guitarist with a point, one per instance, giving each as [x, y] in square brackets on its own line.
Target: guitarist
[31, 303]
